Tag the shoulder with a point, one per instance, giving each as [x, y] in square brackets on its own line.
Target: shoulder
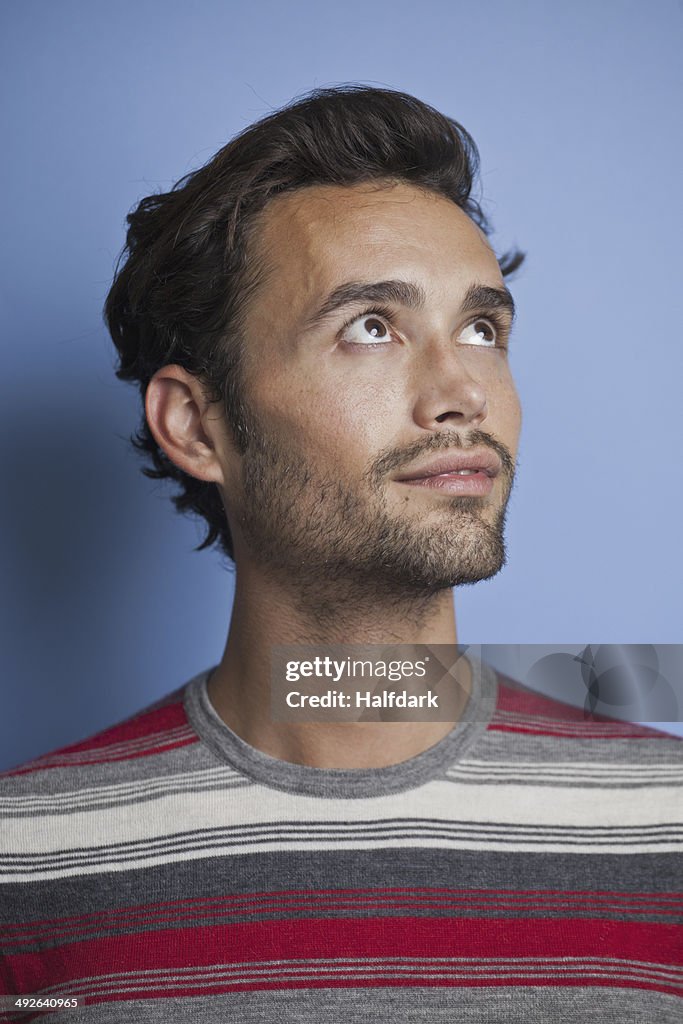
[523, 712]
[112, 752]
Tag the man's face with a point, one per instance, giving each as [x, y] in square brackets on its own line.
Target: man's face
[343, 404]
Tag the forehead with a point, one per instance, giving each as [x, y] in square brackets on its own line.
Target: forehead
[316, 238]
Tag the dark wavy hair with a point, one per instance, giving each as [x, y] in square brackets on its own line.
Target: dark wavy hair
[181, 293]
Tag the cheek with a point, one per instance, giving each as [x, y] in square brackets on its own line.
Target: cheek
[510, 417]
[334, 424]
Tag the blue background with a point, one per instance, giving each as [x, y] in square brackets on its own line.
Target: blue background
[105, 606]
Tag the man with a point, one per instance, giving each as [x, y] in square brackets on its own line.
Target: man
[319, 328]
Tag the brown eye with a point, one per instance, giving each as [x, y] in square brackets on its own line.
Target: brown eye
[367, 330]
[374, 327]
[479, 332]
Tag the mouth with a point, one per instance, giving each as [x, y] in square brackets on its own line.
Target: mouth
[461, 473]
[465, 482]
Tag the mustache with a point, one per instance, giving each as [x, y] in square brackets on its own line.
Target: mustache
[396, 458]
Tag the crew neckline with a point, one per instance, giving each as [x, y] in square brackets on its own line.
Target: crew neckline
[306, 780]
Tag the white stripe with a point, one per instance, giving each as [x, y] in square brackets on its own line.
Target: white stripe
[517, 804]
[123, 791]
[513, 806]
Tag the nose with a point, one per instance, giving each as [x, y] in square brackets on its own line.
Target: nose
[447, 393]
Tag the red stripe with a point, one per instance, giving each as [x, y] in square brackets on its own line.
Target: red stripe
[526, 702]
[381, 938]
[149, 914]
[146, 723]
[161, 718]
[592, 731]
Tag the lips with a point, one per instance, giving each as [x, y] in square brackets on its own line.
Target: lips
[482, 462]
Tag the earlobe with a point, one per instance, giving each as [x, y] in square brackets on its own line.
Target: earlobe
[174, 406]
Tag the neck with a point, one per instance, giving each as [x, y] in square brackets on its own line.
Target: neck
[270, 611]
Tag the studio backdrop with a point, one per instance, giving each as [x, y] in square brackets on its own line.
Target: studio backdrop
[105, 604]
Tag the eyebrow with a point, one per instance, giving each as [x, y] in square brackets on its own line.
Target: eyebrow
[408, 294]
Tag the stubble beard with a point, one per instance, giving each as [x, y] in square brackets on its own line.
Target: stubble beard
[324, 537]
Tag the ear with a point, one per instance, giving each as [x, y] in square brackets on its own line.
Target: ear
[177, 412]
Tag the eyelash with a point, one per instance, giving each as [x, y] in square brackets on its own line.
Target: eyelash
[500, 326]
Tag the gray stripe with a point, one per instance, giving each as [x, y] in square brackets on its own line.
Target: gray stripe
[354, 970]
[518, 746]
[566, 781]
[358, 869]
[189, 758]
[314, 833]
[407, 1004]
[573, 771]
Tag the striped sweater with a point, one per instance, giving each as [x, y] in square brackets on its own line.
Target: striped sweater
[525, 868]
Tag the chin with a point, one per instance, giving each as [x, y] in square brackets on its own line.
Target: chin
[433, 560]
[457, 573]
